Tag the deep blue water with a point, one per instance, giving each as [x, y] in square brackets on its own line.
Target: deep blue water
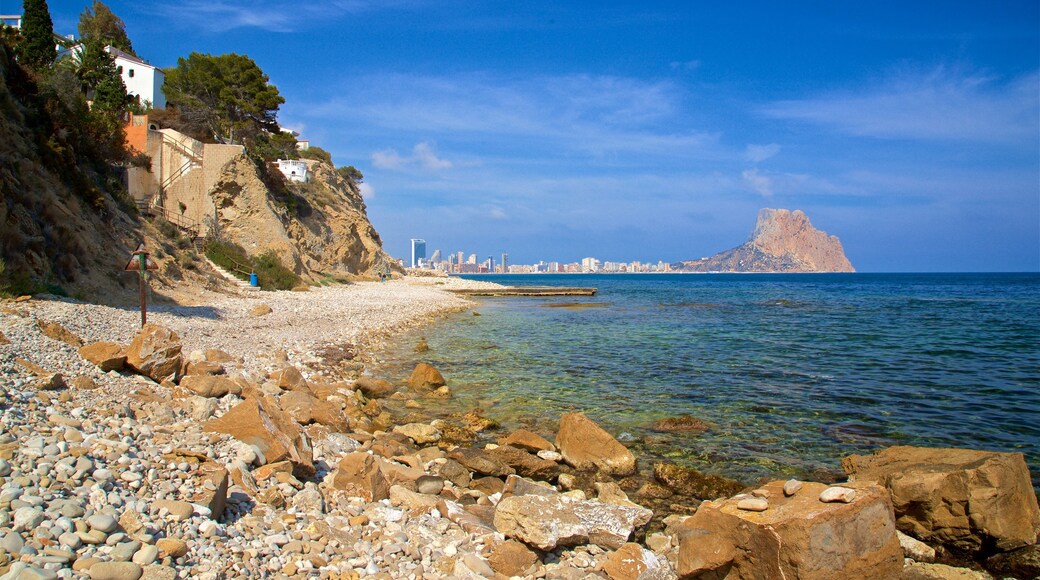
[793, 372]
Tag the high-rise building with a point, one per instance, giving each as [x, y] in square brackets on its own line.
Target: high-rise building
[505, 263]
[418, 252]
[472, 259]
[436, 257]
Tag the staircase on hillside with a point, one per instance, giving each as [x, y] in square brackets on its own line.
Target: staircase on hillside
[235, 280]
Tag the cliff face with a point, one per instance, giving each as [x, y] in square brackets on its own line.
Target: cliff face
[321, 227]
[783, 241]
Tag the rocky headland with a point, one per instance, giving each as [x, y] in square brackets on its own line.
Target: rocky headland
[243, 439]
[782, 241]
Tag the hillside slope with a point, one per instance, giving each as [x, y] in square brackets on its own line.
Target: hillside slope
[782, 241]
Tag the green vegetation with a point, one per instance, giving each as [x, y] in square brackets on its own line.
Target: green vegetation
[228, 94]
[37, 46]
[270, 272]
[316, 153]
[351, 174]
[99, 23]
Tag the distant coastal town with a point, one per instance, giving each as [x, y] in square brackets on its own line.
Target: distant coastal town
[459, 263]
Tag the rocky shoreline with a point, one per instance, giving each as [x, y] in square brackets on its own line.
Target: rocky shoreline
[235, 440]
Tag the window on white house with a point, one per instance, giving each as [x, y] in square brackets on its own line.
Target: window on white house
[131, 73]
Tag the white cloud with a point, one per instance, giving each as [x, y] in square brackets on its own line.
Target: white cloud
[760, 183]
[269, 15]
[423, 155]
[940, 104]
[758, 153]
[388, 159]
[367, 191]
[497, 213]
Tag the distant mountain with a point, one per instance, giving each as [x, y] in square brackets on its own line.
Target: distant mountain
[783, 241]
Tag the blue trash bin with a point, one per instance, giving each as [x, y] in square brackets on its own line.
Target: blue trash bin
[253, 280]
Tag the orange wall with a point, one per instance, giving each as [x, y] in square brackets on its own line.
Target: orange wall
[137, 136]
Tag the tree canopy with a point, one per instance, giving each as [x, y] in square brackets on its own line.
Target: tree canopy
[229, 93]
[98, 22]
[101, 80]
[37, 47]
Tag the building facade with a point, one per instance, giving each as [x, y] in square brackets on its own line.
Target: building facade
[418, 252]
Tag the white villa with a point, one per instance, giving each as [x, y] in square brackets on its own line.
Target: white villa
[141, 79]
[293, 169]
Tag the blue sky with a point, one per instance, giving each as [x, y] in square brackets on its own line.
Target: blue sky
[654, 130]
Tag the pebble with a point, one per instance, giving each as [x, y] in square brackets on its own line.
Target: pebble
[103, 523]
[753, 504]
[837, 494]
[115, 571]
[792, 486]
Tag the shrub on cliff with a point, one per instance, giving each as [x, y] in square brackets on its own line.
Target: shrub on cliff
[37, 49]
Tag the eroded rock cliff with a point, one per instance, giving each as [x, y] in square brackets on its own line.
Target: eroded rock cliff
[783, 241]
[318, 228]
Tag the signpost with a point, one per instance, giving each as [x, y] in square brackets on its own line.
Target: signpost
[141, 262]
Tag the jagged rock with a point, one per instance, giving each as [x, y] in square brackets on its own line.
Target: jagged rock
[4, 339]
[915, 549]
[526, 464]
[213, 497]
[960, 498]
[1020, 563]
[687, 481]
[58, 332]
[425, 378]
[632, 562]
[921, 571]
[454, 472]
[358, 475]
[155, 352]
[516, 485]
[261, 422]
[290, 378]
[586, 446]
[546, 522]
[218, 356]
[214, 386]
[260, 310]
[512, 558]
[416, 503]
[681, 424]
[421, 433]
[527, 440]
[305, 409]
[481, 462]
[473, 519]
[374, 388]
[108, 356]
[84, 382]
[203, 367]
[783, 241]
[798, 537]
[50, 382]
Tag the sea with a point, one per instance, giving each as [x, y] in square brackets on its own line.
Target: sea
[792, 372]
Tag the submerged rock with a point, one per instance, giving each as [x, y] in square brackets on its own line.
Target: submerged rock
[690, 482]
[426, 378]
[681, 424]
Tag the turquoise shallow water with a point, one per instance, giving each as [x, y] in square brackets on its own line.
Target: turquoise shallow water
[793, 372]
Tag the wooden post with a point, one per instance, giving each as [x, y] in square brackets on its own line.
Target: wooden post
[140, 262]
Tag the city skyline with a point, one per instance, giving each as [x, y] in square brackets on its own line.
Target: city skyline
[459, 262]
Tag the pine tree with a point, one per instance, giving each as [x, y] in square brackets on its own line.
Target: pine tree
[37, 47]
[99, 22]
[101, 79]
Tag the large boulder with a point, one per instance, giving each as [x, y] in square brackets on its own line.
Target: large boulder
[426, 378]
[359, 475]
[108, 356]
[58, 332]
[482, 462]
[155, 352]
[374, 388]
[261, 422]
[213, 386]
[548, 521]
[526, 464]
[527, 440]
[587, 447]
[797, 536]
[964, 499]
[305, 409]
